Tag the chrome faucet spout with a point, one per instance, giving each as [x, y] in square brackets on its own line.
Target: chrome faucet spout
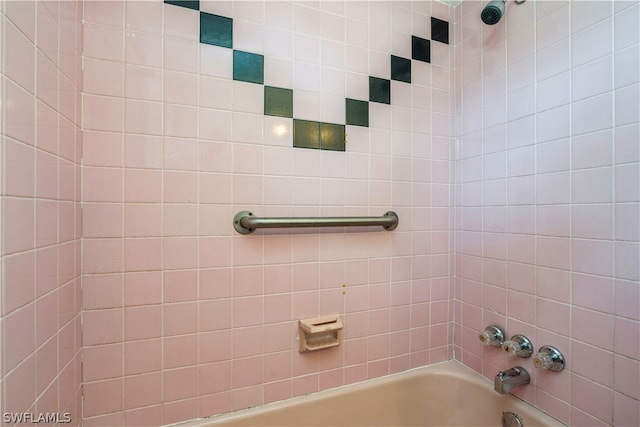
[514, 377]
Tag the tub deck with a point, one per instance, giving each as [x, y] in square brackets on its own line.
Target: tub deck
[446, 394]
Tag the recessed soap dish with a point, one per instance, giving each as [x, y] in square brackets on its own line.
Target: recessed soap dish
[320, 332]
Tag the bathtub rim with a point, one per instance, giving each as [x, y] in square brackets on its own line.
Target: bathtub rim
[448, 367]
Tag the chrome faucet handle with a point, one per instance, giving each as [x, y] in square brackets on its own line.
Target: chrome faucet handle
[549, 357]
[519, 345]
[492, 335]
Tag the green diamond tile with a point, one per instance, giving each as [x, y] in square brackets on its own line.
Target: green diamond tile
[248, 67]
[439, 30]
[379, 90]
[306, 134]
[195, 5]
[420, 49]
[216, 30]
[400, 69]
[332, 137]
[357, 112]
[278, 102]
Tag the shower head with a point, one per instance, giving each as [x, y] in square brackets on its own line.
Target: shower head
[493, 11]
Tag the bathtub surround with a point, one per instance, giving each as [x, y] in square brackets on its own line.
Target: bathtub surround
[547, 191]
[40, 326]
[516, 174]
[186, 124]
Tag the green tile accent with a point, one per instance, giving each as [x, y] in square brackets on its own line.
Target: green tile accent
[379, 90]
[332, 137]
[278, 102]
[306, 134]
[195, 5]
[357, 112]
[439, 30]
[420, 49]
[248, 67]
[400, 69]
[216, 30]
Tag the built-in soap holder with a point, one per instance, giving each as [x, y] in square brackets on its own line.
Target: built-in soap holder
[320, 332]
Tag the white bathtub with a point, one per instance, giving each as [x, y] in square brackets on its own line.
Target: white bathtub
[446, 394]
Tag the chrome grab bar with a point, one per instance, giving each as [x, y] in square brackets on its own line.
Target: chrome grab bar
[245, 223]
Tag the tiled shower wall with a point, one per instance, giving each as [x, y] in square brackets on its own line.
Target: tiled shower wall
[185, 318]
[547, 199]
[40, 201]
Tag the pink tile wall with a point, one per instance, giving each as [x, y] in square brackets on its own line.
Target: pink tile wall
[40, 246]
[185, 318]
[548, 199]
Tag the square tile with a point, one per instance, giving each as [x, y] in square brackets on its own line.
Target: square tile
[332, 137]
[439, 30]
[216, 30]
[306, 134]
[278, 101]
[248, 67]
[420, 49]
[357, 112]
[195, 5]
[379, 90]
[400, 69]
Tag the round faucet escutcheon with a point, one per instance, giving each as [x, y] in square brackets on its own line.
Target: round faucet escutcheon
[492, 335]
[549, 357]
